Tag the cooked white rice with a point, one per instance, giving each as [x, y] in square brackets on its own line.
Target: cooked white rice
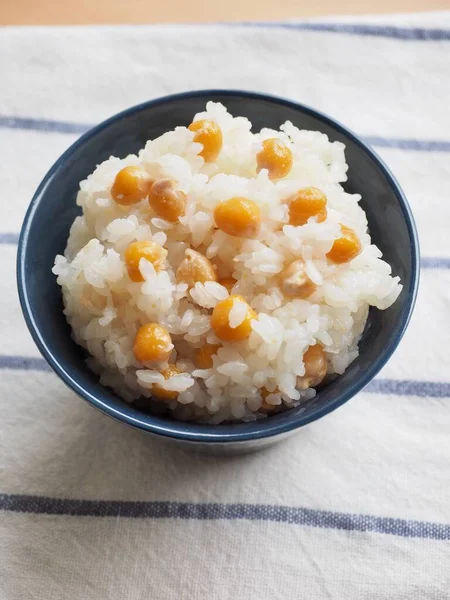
[105, 308]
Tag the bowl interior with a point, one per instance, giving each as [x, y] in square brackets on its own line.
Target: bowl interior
[53, 210]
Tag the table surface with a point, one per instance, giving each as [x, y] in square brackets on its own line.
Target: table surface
[55, 12]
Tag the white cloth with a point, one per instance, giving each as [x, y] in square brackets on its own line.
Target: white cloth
[367, 488]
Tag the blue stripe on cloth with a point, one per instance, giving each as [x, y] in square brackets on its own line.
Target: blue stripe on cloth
[434, 262]
[9, 238]
[23, 363]
[398, 387]
[405, 387]
[387, 31]
[9, 122]
[407, 144]
[306, 517]
[27, 123]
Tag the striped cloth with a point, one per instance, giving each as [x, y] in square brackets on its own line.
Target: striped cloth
[356, 505]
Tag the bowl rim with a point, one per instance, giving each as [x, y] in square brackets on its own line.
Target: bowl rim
[216, 434]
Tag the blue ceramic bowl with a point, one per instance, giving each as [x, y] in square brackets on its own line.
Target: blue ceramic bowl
[52, 211]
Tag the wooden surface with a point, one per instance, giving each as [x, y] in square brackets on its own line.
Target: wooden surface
[57, 12]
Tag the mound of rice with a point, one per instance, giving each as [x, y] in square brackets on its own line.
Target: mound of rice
[105, 308]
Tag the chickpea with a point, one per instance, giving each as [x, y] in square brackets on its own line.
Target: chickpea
[276, 157]
[203, 356]
[221, 325]
[152, 342]
[159, 392]
[294, 281]
[209, 135]
[167, 200]
[228, 283]
[131, 185]
[306, 203]
[315, 367]
[195, 268]
[152, 252]
[239, 217]
[346, 247]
